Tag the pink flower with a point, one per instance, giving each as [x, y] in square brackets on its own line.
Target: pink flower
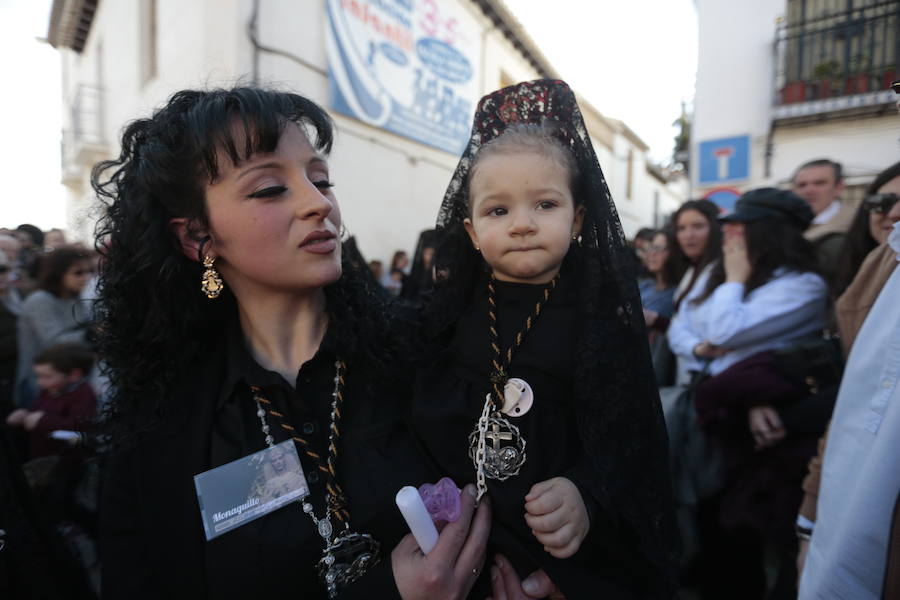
[441, 499]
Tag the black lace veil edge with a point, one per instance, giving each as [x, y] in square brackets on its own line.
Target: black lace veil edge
[620, 419]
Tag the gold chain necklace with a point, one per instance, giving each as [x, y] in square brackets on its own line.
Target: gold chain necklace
[506, 455]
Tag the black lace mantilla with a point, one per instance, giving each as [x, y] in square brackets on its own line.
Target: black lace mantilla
[620, 419]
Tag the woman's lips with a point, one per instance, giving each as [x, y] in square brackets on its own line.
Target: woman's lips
[319, 242]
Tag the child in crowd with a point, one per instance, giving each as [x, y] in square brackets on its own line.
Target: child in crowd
[539, 386]
[66, 399]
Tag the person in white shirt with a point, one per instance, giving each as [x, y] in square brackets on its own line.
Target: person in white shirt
[860, 480]
[762, 296]
[699, 244]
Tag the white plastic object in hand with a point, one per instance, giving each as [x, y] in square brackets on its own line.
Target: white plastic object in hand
[64, 435]
[420, 524]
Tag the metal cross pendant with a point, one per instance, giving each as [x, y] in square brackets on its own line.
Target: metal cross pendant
[496, 435]
[501, 460]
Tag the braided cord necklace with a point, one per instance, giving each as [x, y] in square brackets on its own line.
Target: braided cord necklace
[500, 461]
[347, 555]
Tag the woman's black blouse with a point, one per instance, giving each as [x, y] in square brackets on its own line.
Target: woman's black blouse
[154, 545]
[449, 397]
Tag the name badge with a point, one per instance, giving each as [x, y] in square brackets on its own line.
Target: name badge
[249, 487]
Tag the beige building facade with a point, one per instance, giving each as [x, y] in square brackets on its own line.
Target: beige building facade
[120, 60]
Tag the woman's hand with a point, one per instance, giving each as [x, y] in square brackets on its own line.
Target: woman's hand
[766, 426]
[451, 568]
[505, 584]
[16, 417]
[650, 317]
[707, 350]
[555, 511]
[735, 259]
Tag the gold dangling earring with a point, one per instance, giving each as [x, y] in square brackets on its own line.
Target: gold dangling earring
[211, 282]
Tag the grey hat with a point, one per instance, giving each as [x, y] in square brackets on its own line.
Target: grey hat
[771, 203]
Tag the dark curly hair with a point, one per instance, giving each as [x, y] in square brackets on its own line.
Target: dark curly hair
[53, 267]
[859, 241]
[153, 319]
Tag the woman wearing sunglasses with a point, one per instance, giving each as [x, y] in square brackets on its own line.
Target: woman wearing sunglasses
[871, 226]
[54, 313]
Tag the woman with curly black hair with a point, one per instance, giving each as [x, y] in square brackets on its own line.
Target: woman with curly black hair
[229, 323]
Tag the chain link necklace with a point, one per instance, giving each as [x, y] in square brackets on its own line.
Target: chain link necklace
[506, 454]
[347, 555]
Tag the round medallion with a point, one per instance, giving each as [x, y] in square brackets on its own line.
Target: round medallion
[517, 397]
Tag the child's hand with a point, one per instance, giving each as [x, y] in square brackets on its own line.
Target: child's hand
[557, 516]
[15, 418]
[31, 419]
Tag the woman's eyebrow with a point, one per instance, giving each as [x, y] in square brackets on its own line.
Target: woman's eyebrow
[266, 165]
[274, 164]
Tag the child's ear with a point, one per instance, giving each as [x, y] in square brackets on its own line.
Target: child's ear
[578, 221]
[75, 375]
[470, 229]
[190, 239]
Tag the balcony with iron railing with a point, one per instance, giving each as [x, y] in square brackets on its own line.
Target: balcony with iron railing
[83, 142]
[836, 60]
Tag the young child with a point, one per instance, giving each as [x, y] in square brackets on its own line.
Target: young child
[539, 386]
[66, 400]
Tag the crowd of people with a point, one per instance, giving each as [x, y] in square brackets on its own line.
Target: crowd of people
[707, 409]
[48, 399]
[751, 316]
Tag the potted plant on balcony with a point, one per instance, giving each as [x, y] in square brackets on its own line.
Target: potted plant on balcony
[857, 81]
[823, 74]
[794, 91]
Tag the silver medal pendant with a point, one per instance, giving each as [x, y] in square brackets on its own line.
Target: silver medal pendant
[346, 559]
[504, 449]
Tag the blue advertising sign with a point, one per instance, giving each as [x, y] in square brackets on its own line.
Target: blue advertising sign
[724, 160]
[410, 67]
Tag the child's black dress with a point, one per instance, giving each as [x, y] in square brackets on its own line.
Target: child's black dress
[449, 398]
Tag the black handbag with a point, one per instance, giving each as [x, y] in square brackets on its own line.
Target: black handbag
[813, 364]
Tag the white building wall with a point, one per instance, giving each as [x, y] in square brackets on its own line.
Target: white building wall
[864, 147]
[735, 76]
[735, 96]
[389, 187]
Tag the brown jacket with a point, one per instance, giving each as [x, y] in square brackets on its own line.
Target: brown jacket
[851, 310]
[829, 238]
[839, 223]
